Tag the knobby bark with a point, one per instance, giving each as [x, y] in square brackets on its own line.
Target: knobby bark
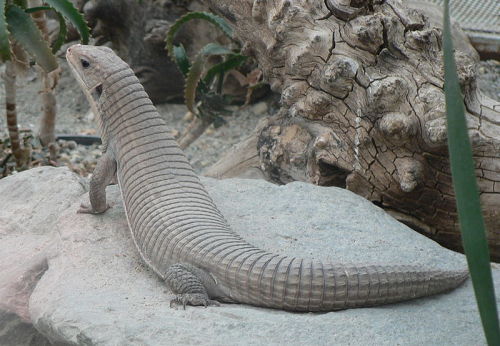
[362, 106]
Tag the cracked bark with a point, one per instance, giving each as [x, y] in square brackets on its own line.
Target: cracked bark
[362, 107]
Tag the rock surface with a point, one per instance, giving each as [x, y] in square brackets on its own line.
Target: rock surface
[86, 284]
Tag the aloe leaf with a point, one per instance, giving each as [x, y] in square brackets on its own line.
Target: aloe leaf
[26, 33]
[36, 9]
[66, 8]
[231, 63]
[191, 83]
[212, 18]
[21, 3]
[4, 34]
[466, 192]
[181, 59]
[63, 29]
[61, 36]
[195, 72]
[215, 49]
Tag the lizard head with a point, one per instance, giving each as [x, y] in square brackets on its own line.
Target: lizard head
[91, 66]
[87, 64]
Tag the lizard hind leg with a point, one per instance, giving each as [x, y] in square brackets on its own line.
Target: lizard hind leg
[189, 284]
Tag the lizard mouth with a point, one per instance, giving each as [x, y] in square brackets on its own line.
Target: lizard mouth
[69, 54]
[70, 57]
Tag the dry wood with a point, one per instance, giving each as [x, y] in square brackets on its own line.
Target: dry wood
[361, 85]
[194, 130]
[242, 160]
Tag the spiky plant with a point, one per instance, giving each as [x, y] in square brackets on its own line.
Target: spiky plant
[23, 30]
[203, 82]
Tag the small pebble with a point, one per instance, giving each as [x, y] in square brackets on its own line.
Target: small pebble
[71, 145]
[260, 108]
[188, 116]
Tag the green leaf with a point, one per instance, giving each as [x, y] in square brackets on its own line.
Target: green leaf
[63, 29]
[66, 8]
[466, 192]
[26, 33]
[195, 72]
[21, 3]
[191, 83]
[215, 49]
[61, 37]
[181, 59]
[212, 18]
[36, 9]
[4, 34]
[232, 62]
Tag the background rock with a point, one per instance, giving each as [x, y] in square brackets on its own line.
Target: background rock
[15, 332]
[96, 290]
[30, 206]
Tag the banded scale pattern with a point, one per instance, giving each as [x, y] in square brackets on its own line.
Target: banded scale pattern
[173, 220]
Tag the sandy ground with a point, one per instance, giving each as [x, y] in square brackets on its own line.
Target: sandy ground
[73, 113]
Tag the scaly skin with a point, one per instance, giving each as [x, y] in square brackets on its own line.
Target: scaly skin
[181, 234]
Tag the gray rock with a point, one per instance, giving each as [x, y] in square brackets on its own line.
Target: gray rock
[96, 291]
[31, 203]
[15, 332]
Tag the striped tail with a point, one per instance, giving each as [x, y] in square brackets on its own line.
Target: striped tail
[296, 284]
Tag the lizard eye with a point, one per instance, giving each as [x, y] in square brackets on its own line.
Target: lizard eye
[85, 63]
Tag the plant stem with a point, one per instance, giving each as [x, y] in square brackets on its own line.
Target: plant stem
[193, 131]
[49, 82]
[466, 192]
[11, 113]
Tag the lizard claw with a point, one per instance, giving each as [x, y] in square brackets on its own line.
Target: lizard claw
[194, 299]
[87, 209]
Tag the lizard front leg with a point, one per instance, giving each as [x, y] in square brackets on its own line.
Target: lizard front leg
[104, 173]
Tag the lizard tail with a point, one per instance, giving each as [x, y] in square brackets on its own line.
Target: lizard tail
[295, 284]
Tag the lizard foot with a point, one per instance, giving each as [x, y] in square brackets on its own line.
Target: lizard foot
[189, 283]
[194, 299]
[87, 209]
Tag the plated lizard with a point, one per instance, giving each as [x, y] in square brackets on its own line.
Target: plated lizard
[181, 235]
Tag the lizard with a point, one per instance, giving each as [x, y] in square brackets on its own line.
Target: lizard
[182, 236]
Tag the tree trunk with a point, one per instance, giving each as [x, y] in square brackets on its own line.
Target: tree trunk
[362, 106]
